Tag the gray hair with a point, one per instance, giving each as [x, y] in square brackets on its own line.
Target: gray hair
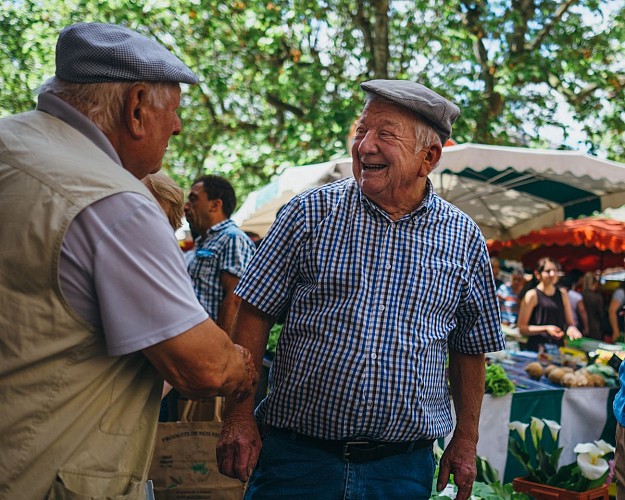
[425, 134]
[103, 103]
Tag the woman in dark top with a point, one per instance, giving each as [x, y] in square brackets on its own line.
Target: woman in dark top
[545, 313]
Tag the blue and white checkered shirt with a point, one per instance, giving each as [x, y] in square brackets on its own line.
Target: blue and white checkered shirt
[225, 248]
[372, 306]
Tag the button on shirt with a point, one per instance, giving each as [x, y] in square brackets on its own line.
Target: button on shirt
[225, 248]
[373, 305]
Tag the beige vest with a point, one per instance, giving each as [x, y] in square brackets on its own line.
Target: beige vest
[74, 422]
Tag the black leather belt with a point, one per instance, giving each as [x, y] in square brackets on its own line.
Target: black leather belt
[357, 450]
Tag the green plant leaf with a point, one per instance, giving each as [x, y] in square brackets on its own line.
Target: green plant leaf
[520, 454]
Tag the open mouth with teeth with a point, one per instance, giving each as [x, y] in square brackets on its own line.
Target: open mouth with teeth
[373, 166]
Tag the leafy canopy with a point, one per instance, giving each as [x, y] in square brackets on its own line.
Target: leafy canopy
[279, 80]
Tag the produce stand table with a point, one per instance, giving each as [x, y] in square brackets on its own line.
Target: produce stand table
[585, 414]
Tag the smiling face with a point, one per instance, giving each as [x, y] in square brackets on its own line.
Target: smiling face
[388, 163]
[548, 273]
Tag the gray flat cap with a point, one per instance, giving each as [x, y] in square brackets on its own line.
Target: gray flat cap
[433, 108]
[96, 52]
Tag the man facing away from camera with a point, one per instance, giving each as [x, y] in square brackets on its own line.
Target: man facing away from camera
[97, 307]
[380, 280]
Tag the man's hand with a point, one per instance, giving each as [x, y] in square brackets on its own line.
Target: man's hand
[238, 447]
[459, 460]
[246, 388]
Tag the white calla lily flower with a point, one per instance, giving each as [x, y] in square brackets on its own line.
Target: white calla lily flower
[591, 466]
[554, 428]
[536, 429]
[520, 427]
[605, 447]
[589, 448]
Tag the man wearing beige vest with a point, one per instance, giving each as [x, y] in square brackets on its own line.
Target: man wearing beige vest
[97, 307]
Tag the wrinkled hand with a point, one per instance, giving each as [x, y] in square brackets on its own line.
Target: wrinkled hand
[238, 447]
[554, 331]
[248, 386]
[459, 460]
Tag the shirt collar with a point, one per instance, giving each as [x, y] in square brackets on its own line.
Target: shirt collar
[220, 226]
[426, 205]
[57, 107]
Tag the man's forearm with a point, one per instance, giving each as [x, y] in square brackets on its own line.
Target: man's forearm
[202, 362]
[466, 378]
[251, 330]
[228, 312]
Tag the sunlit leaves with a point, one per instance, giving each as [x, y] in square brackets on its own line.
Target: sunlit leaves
[279, 80]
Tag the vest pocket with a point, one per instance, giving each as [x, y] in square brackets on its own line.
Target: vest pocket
[130, 402]
[70, 485]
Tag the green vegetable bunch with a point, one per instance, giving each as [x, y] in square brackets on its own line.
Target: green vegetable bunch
[272, 341]
[497, 382]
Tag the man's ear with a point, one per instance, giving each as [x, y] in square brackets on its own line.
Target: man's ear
[216, 205]
[135, 111]
[430, 159]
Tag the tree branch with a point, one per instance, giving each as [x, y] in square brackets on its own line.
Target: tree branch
[361, 21]
[279, 104]
[550, 24]
[380, 41]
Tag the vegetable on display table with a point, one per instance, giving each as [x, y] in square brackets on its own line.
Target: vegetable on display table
[585, 413]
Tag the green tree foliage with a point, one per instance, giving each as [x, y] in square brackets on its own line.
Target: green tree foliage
[279, 80]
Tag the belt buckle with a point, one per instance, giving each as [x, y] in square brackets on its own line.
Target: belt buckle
[347, 451]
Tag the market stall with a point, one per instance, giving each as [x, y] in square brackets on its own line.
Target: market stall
[587, 244]
[507, 191]
[585, 414]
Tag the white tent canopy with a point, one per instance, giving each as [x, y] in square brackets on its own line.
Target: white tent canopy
[260, 207]
[507, 191]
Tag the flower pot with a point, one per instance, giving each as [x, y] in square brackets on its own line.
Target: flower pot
[544, 492]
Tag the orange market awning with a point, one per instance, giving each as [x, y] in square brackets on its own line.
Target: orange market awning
[587, 244]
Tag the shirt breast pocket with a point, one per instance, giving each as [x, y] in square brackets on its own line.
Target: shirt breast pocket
[203, 262]
[204, 254]
[437, 291]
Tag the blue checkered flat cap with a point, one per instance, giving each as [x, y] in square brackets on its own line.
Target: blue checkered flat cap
[96, 52]
[432, 107]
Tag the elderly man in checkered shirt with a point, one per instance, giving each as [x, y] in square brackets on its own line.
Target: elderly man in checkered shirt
[380, 280]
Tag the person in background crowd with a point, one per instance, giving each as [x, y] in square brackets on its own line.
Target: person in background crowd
[615, 312]
[545, 312]
[496, 265]
[380, 280]
[222, 251]
[593, 303]
[169, 196]
[571, 282]
[508, 296]
[255, 237]
[97, 308]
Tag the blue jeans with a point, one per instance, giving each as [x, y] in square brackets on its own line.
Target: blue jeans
[288, 469]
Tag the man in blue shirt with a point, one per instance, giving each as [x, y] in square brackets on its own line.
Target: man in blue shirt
[380, 279]
[222, 251]
[508, 296]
